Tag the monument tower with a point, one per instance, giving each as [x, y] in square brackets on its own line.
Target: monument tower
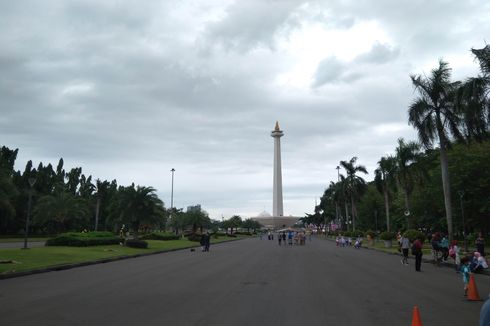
[277, 209]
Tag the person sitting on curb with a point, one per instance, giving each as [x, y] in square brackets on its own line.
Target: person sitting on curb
[358, 243]
[478, 263]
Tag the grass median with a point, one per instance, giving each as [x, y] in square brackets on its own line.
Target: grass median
[16, 260]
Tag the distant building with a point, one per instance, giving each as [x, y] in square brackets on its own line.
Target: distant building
[196, 208]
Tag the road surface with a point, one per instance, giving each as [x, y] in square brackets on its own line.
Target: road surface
[247, 282]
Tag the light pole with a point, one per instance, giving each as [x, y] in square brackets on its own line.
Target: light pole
[338, 173]
[461, 195]
[31, 181]
[172, 194]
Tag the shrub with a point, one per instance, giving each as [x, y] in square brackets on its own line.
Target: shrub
[371, 233]
[231, 235]
[133, 243]
[71, 241]
[93, 234]
[242, 233]
[347, 234]
[194, 237]
[414, 234]
[160, 236]
[387, 236]
[356, 234]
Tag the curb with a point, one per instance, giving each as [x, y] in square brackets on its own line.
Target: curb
[95, 262]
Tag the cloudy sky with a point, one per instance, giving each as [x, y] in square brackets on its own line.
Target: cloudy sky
[131, 89]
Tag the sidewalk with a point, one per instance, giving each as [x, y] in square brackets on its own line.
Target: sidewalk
[424, 260]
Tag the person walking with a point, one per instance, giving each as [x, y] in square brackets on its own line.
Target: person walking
[279, 238]
[205, 241]
[417, 252]
[454, 254]
[405, 246]
[290, 238]
[284, 237]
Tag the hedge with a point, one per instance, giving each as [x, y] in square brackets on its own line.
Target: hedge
[194, 237]
[414, 234]
[387, 236]
[71, 241]
[160, 236]
[133, 243]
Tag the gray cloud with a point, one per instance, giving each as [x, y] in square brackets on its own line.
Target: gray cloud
[129, 90]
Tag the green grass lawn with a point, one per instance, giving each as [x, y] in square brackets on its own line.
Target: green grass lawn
[39, 258]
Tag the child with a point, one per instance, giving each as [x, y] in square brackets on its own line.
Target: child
[465, 270]
[454, 254]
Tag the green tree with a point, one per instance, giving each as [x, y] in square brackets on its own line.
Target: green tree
[232, 223]
[434, 115]
[137, 205]
[8, 190]
[406, 158]
[197, 219]
[60, 211]
[473, 99]
[355, 184]
[177, 219]
[384, 179]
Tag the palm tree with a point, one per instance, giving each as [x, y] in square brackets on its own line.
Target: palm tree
[473, 99]
[355, 184]
[344, 195]
[137, 205]
[407, 155]
[384, 177]
[197, 218]
[62, 209]
[435, 117]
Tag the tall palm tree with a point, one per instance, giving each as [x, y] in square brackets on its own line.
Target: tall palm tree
[474, 100]
[434, 115]
[355, 184]
[62, 209]
[344, 195]
[407, 155]
[137, 205]
[384, 177]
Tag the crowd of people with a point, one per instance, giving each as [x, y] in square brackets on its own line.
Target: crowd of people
[290, 237]
[342, 241]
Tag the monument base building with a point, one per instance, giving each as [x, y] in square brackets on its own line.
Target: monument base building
[275, 222]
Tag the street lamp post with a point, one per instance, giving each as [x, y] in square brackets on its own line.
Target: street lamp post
[31, 181]
[338, 173]
[172, 194]
[461, 195]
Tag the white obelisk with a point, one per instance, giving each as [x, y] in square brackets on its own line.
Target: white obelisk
[277, 187]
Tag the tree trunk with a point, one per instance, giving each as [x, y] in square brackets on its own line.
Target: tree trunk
[407, 208]
[354, 212]
[387, 209]
[446, 189]
[346, 215]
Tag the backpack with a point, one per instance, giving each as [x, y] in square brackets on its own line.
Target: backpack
[415, 250]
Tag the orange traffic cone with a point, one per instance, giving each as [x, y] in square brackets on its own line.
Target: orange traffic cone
[416, 321]
[472, 290]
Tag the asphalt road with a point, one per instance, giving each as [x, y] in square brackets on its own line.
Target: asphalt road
[248, 282]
